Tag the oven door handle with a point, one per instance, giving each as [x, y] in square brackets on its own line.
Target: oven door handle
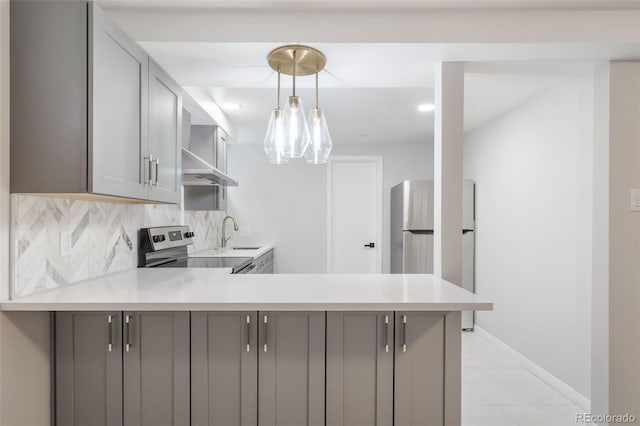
[247, 269]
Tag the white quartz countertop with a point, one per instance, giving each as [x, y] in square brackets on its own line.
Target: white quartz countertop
[240, 251]
[210, 289]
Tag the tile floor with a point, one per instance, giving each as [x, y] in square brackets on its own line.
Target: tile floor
[497, 391]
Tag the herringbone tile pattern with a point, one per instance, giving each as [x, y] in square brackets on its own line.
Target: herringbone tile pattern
[104, 237]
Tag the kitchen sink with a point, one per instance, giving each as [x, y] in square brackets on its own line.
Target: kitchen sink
[245, 248]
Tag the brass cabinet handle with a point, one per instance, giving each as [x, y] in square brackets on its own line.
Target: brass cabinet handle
[157, 181]
[150, 161]
[110, 329]
[127, 321]
[248, 333]
[265, 321]
[386, 333]
[404, 333]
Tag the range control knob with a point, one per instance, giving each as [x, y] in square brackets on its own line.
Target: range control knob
[158, 238]
[189, 234]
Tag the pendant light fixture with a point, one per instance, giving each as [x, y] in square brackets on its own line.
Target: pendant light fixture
[274, 138]
[320, 141]
[290, 137]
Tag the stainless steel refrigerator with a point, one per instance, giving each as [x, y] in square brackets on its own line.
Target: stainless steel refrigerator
[412, 233]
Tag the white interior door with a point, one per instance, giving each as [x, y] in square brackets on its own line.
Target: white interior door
[354, 216]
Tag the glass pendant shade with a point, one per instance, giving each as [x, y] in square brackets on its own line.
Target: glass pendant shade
[274, 138]
[296, 132]
[320, 141]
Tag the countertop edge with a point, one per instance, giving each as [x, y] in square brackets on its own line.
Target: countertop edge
[227, 307]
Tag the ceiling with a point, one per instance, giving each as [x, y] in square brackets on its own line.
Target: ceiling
[381, 55]
[370, 91]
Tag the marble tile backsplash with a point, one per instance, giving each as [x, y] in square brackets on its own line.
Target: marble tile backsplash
[102, 238]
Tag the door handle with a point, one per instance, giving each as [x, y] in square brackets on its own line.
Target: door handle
[404, 333]
[110, 331]
[248, 333]
[127, 343]
[386, 333]
[157, 181]
[149, 160]
[266, 320]
[370, 245]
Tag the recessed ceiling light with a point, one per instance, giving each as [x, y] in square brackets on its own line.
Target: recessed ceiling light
[426, 107]
[231, 106]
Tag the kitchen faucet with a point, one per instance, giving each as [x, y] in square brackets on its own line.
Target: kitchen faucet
[235, 228]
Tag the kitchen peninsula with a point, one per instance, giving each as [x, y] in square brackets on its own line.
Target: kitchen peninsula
[203, 347]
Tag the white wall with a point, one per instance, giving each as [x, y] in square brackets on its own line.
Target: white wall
[534, 174]
[286, 204]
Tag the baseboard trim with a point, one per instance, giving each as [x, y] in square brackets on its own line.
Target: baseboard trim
[560, 386]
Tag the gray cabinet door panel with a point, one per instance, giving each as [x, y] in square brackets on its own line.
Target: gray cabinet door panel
[419, 369]
[156, 369]
[88, 374]
[224, 369]
[49, 103]
[165, 135]
[359, 368]
[291, 369]
[118, 70]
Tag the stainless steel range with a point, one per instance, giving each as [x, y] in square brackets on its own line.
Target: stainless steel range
[167, 247]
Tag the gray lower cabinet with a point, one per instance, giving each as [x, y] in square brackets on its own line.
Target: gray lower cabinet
[291, 373]
[360, 347]
[156, 369]
[88, 368]
[258, 368]
[427, 369]
[92, 113]
[250, 368]
[224, 369]
[118, 369]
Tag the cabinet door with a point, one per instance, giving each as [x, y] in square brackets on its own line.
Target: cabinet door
[359, 368]
[118, 115]
[224, 368]
[291, 369]
[88, 363]
[156, 368]
[165, 135]
[419, 369]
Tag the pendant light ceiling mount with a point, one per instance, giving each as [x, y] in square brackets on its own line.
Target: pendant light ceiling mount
[289, 135]
[296, 59]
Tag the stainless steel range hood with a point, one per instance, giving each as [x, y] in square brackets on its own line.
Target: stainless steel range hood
[197, 172]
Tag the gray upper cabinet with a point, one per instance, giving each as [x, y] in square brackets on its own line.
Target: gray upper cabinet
[291, 370]
[224, 369]
[156, 369]
[86, 99]
[419, 369]
[119, 110]
[88, 359]
[165, 135]
[115, 369]
[360, 368]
